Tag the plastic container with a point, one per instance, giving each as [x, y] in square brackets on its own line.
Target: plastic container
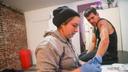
[25, 58]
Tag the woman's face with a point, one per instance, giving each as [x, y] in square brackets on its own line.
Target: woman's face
[71, 27]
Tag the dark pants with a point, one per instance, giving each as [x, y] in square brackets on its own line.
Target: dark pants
[107, 59]
[85, 57]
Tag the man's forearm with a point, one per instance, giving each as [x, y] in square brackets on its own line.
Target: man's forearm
[103, 46]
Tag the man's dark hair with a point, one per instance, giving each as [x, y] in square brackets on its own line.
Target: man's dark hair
[89, 10]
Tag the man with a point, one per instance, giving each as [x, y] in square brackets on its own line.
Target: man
[105, 32]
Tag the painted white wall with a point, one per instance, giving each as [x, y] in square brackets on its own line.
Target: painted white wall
[39, 21]
[123, 6]
[36, 24]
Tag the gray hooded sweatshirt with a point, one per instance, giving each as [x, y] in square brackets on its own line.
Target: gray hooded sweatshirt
[56, 54]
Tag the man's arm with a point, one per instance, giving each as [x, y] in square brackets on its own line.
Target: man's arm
[104, 35]
[93, 45]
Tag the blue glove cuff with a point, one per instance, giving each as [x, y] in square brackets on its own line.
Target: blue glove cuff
[96, 60]
[99, 59]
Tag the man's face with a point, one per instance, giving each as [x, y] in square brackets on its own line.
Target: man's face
[93, 18]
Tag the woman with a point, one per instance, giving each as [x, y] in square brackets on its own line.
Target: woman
[56, 53]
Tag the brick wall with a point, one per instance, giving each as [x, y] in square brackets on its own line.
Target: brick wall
[12, 37]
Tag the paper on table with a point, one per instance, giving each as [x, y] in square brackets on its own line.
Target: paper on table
[115, 68]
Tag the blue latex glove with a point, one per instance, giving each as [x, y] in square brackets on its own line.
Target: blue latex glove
[92, 65]
[96, 60]
[90, 68]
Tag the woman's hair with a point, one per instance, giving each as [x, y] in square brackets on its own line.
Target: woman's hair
[68, 20]
[61, 14]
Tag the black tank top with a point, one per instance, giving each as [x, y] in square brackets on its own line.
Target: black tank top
[111, 53]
